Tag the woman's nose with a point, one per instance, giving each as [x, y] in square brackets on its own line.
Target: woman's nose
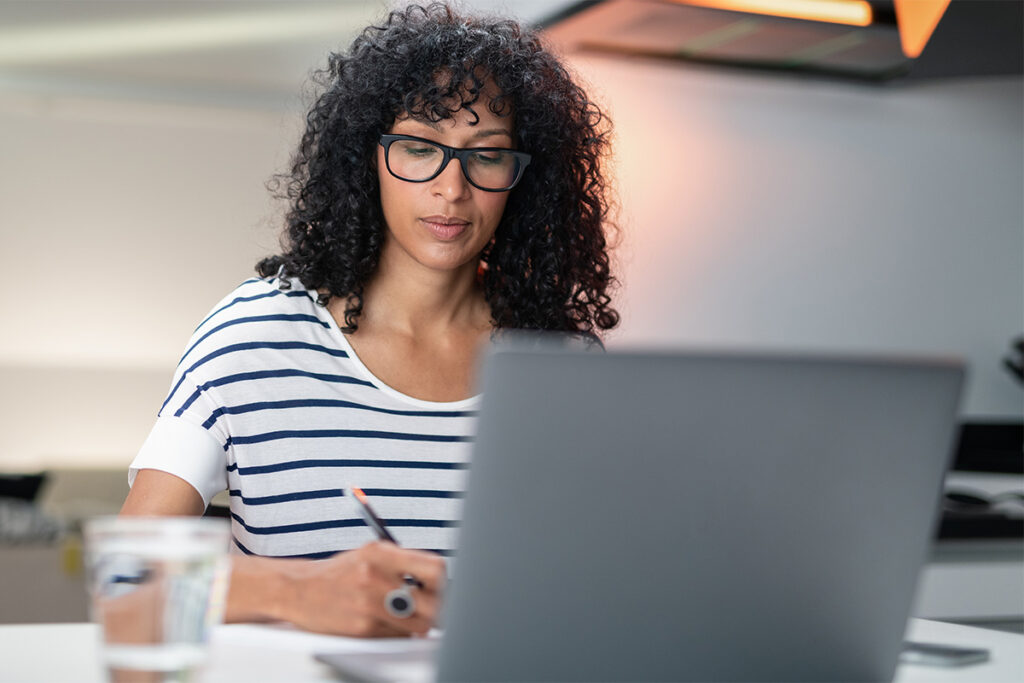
[451, 182]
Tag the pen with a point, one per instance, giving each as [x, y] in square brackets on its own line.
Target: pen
[370, 517]
[377, 524]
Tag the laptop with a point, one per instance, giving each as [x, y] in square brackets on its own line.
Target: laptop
[696, 516]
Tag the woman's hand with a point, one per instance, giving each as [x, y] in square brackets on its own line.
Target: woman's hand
[344, 594]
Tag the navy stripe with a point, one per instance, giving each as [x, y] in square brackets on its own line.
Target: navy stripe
[247, 346]
[305, 526]
[255, 297]
[297, 317]
[262, 374]
[329, 553]
[190, 400]
[413, 493]
[332, 553]
[239, 299]
[302, 464]
[287, 497]
[311, 556]
[305, 556]
[327, 403]
[241, 547]
[341, 524]
[339, 493]
[344, 433]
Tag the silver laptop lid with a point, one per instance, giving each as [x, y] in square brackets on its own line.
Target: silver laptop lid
[637, 516]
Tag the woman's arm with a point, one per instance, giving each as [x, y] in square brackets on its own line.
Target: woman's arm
[344, 594]
[160, 493]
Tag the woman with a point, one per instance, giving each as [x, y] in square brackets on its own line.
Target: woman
[448, 186]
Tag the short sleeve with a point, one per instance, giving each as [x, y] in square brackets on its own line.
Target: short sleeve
[191, 438]
[183, 442]
[185, 450]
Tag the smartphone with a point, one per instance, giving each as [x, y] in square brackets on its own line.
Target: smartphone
[932, 654]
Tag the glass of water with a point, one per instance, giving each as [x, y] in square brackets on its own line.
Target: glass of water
[158, 586]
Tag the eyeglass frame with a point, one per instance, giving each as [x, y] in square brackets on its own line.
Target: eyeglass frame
[460, 153]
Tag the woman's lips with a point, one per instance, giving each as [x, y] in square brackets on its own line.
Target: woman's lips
[443, 227]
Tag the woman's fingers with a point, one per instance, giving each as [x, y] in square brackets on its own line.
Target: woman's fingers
[348, 593]
[426, 567]
[424, 613]
[378, 591]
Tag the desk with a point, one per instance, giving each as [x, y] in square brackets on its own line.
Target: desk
[53, 653]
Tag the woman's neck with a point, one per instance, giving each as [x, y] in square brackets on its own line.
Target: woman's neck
[411, 299]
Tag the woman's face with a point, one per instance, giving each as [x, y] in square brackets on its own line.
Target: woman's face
[444, 223]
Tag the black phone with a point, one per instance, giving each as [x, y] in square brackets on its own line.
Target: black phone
[933, 654]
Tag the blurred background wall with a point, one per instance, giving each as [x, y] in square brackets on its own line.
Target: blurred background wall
[757, 210]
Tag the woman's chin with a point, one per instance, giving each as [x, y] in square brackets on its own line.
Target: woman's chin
[451, 265]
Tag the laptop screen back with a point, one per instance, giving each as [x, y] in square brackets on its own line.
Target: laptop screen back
[696, 517]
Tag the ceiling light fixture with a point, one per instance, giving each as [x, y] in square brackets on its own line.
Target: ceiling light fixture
[851, 12]
[917, 20]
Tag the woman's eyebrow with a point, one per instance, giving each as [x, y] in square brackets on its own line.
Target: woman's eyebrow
[492, 131]
[485, 133]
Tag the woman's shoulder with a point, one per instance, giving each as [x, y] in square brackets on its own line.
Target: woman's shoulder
[260, 297]
[263, 330]
[260, 313]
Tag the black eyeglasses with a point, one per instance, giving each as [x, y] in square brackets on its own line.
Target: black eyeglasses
[492, 169]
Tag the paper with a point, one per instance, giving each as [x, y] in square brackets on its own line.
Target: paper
[289, 638]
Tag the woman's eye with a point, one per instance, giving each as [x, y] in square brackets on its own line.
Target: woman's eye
[489, 158]
[420, 151]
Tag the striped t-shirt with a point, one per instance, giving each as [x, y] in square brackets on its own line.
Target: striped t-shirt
[270, 402]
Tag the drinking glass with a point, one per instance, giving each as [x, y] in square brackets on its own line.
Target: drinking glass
[157, 587]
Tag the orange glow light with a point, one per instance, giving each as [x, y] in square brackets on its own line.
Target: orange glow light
[852, 12]
[358, 493]
[917, 20]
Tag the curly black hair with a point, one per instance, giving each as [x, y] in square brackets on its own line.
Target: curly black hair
[547, 267]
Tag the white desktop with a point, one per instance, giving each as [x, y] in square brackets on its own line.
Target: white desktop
[51, 653]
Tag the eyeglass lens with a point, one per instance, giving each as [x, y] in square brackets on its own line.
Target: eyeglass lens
[416, 160]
